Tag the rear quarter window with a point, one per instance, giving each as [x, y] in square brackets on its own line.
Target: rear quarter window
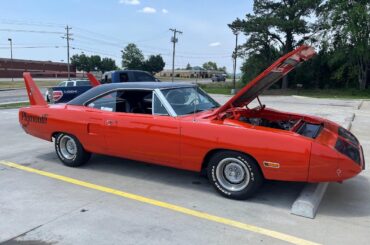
[83, 83]
[144, 77]
[123, 77]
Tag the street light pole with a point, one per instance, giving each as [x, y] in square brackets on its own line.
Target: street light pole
[235, 56]
[11, 57]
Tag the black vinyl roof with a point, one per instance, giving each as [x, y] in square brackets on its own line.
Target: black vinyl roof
[101, 89]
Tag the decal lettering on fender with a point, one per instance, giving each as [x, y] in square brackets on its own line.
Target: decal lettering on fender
[43, 119]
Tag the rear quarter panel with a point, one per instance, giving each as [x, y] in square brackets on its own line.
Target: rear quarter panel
[58, 118]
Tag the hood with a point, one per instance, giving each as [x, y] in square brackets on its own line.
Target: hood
[271, 75]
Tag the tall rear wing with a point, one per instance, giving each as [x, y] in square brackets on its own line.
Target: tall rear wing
[33, 92]
[93, 80]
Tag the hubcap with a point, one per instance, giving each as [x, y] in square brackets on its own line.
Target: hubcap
[232, 174]
[68, 147]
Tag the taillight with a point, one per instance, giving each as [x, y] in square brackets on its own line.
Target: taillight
[348, 135]
[57, 95]
[348, 149]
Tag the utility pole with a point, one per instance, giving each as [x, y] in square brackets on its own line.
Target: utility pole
[11, 57]
[235, 55]
[174, 41]
[67, 36]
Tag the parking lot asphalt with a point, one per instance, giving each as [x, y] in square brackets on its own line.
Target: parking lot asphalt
[46, 210]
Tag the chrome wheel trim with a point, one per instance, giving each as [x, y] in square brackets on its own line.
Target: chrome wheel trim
[68, 147]
[232, 174]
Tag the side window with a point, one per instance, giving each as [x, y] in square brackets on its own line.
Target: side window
[83, 83]
[129, 101]
[158, 107]
[143, 77]
[70, 84]
[62, 84]
[107, 78]
[110, 102]
[123, 77]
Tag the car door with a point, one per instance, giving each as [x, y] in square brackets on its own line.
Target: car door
[100, 112]
[153, 137]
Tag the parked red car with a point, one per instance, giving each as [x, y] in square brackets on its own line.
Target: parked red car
[179, 125]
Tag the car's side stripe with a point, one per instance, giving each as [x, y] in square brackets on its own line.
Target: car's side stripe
[176, 208]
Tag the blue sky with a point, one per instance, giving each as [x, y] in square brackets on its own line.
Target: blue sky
[105, 27]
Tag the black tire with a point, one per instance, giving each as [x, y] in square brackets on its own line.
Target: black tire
[234, 175]
[77, 157]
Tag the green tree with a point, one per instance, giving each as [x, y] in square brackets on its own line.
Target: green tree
[210, 65]
[347, 28]
[132, 57]
[94, 62]
[275, 25]
[154, 64]
[107, 64]
[81, 61]
[223, 68]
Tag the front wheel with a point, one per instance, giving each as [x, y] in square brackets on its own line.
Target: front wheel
[234, 175]
[70, 151]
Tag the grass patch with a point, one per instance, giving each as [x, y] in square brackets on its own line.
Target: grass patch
[225, 88]
[324, 93]
[20, 84]
[220, 87]
[14, 105]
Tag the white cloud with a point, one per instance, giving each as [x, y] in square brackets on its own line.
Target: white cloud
[148, 10]
[130, 2]
[165, 11]
[215, 44]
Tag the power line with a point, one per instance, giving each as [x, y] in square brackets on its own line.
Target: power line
[174, 40]
[33, 47]
[32, 31]
[94, 52]
[29, 23]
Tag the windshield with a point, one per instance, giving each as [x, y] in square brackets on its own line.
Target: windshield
[189, 100]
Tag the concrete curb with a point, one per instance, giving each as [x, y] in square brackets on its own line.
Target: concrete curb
[360, 105]
[309, 200]
[307, 203]
[10, 89]
[14, 102]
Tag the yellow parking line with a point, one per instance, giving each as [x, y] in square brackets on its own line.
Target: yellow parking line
[199, 214]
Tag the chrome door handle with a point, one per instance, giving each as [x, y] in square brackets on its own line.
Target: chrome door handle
[110, 122]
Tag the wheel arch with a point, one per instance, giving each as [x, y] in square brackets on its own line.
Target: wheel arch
[210, 153]
[54, 134]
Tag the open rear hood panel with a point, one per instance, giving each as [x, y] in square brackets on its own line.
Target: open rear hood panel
[271, 75]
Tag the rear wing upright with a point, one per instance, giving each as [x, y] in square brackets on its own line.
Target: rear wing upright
[33, 92]
[93, 80]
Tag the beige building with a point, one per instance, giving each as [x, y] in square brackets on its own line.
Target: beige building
[195, 72]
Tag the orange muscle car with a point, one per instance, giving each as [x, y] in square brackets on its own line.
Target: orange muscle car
[179, 125]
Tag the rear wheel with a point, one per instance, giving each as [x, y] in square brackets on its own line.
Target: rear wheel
[234, 175]
[70, 151]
